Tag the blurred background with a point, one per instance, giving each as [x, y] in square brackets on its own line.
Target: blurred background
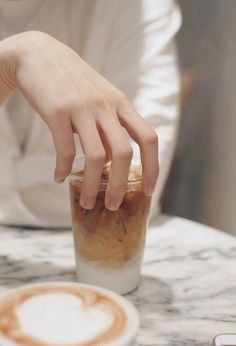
[202, 182]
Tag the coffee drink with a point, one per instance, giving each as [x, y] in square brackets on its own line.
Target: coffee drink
[109, 244]
[66, 314]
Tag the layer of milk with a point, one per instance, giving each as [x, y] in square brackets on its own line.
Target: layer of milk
[121, 280]
[60, 318]
[4, 341]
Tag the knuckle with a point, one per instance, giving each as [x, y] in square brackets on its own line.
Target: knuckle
[151, 137]
[158, 172]
[121, 97]
[97, 157]
[99, 101]
[81, 105]
[60, 110]
[154, 175]
[68, 154]
[124, 154]
[117, 97]
[65, 107]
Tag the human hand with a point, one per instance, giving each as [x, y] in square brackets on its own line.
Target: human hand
[71, 97]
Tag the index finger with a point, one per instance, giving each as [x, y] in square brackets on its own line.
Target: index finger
[65, 147]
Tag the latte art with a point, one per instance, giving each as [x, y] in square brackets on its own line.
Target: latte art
[61, 315]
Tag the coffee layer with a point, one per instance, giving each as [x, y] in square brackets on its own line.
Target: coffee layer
[110, 237]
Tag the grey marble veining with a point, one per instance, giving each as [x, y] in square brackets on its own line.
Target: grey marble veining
[187, 293]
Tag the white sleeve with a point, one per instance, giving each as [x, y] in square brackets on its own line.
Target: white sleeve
[12, 210]
[24, 184]
[47, 201]
[35, 169]
[142, 61]
[28, 193]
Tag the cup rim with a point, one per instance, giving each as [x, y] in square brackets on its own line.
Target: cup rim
[73, 176]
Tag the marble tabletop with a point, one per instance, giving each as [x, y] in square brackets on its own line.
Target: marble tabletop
[187, 293]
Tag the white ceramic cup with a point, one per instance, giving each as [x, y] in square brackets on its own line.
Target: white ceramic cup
[66, 314]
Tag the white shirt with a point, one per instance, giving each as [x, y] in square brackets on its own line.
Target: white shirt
[131, 44]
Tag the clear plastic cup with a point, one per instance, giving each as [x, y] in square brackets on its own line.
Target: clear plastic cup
[108, 244]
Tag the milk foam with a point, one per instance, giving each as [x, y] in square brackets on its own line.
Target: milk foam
[60, 318]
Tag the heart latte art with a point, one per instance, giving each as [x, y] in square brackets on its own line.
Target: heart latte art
[61, 315]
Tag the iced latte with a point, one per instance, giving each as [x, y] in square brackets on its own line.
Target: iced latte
[109, 244]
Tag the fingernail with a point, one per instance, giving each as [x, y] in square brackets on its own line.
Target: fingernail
[59, 180]
[58, 177]
[88, 203]
[148, 190]
[113, 203]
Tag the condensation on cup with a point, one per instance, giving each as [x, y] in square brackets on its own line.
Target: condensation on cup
[109, 245]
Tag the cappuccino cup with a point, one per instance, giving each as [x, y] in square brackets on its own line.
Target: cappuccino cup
[66, 314]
